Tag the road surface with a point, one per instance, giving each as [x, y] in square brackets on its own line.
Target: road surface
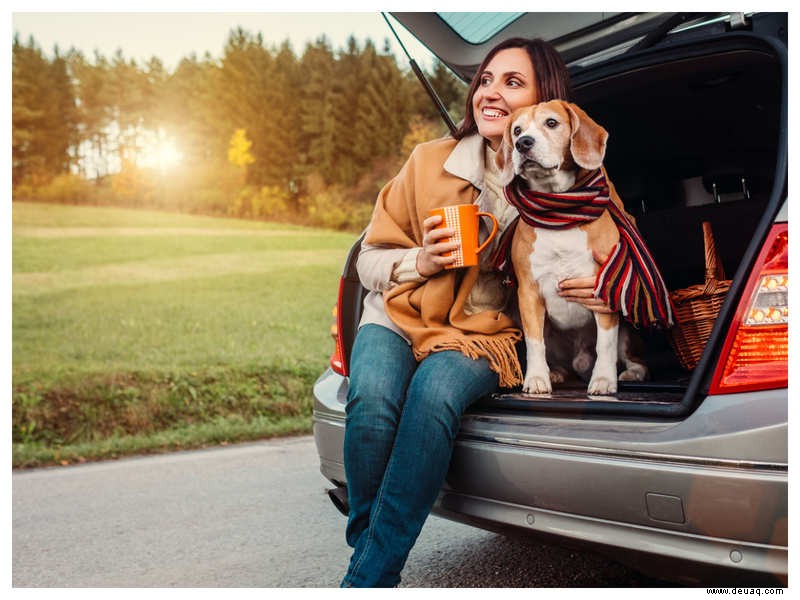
[250, 515]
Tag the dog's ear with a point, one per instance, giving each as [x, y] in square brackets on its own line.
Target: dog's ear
[588, 140]
[502, 157]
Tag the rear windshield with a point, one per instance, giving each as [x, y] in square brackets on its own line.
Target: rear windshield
[477, 27]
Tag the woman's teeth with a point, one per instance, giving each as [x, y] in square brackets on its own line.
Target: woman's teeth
[492, 113]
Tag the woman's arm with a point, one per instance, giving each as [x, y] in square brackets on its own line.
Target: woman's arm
[380, 268]
[377, 264]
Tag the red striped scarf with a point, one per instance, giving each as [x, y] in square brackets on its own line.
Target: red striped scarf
[629, 281]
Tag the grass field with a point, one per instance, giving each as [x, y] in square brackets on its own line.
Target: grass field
[137, 331]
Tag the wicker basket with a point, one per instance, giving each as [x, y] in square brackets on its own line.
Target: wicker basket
[696, 307]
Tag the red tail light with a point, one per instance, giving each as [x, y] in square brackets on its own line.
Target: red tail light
[338, 361]
[755, 355]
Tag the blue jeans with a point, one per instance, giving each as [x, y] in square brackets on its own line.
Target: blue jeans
[402, 420]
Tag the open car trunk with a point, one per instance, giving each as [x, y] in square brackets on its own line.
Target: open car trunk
[697, 133]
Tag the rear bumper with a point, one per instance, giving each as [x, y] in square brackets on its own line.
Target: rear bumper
[715, 515]
[651, 490]
[702, 550]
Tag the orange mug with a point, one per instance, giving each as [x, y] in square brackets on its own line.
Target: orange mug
[465, 219]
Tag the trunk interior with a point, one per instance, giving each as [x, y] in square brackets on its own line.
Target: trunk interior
[692, 139]
[694, 136]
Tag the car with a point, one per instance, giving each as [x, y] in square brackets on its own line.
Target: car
[685, 475]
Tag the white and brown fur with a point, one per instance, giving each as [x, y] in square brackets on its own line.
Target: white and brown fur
[560, 144]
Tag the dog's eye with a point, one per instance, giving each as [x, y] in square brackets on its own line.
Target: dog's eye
[517, 130]
[551, 123]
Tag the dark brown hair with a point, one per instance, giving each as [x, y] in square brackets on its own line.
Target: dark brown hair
[550, 72]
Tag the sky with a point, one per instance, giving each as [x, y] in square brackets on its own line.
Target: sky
[171, 36]
[173, 29]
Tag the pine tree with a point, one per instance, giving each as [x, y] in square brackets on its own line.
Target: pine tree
[317, 149]
[61, 117]
[248, 98]
[153, 89]
[191, 103]
[43, 114]
[451, 90]
[346, 88]
[127, 91]
[93, 112]
[26, 115]
[373, 129]
[281, 147]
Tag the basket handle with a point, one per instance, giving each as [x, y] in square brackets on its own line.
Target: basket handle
[714, 270]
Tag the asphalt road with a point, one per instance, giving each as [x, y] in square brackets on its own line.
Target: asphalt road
[251, 515]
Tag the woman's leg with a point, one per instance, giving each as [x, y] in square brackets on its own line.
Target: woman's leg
[381, 365]
[442, 388]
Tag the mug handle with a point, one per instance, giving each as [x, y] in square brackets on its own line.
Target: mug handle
[491, 235]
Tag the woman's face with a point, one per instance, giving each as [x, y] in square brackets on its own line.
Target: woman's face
[507, 83]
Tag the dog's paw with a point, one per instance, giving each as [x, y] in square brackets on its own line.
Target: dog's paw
[557, 376]
[635, 372]
[600, 386]
[537, 384]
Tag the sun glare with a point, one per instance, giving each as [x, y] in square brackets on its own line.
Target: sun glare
[159, 152]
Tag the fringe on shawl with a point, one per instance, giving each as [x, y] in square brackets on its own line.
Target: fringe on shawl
[499, 349]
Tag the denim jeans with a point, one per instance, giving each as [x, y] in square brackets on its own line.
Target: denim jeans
[402, 420]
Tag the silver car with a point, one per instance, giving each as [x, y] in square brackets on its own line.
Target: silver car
[684, 475]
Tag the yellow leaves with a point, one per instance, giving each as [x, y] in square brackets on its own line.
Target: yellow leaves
[239, 149]
[419, 130]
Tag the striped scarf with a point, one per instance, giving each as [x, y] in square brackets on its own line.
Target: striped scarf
[629, 281]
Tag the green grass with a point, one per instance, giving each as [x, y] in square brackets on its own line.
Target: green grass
[139, 331]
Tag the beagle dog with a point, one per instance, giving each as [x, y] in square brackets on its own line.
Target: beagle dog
[551, 147]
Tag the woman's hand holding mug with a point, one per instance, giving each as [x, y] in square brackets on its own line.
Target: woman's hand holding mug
[460, 222]
[430, 259]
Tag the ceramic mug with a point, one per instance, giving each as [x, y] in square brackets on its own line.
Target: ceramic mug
[465, 219]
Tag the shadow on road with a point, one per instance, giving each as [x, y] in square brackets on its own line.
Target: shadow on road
[492, 560]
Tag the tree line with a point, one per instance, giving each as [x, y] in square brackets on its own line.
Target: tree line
[263, 132]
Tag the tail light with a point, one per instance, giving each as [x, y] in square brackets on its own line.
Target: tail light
[338, 361]
[755, 355]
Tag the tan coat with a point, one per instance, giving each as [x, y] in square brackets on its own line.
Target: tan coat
[431, 312]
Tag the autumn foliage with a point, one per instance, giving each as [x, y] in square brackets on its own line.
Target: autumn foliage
[262, 132]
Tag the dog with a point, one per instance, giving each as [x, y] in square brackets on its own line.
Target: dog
[550, 147]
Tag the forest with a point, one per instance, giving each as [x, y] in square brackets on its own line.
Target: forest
[261, 132]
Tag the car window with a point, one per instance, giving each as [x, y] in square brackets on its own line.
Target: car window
[477, 27]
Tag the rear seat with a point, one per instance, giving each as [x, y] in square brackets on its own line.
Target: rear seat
[674, 234]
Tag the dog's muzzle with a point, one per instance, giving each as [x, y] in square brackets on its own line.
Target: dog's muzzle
[524, 144]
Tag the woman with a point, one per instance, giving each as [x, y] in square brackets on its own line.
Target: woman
[433, 341]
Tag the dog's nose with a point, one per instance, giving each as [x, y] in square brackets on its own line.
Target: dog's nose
[524, 143]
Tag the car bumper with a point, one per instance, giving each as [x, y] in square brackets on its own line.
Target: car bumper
[651, 487]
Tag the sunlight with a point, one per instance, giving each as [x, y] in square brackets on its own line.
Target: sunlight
[159, 151]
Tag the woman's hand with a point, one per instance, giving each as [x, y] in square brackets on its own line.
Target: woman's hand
[430, 260]
[581, 290]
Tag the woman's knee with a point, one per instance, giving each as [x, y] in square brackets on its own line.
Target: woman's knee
[382, 365]
[436, 406]
[449, 382]
[369, 399]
